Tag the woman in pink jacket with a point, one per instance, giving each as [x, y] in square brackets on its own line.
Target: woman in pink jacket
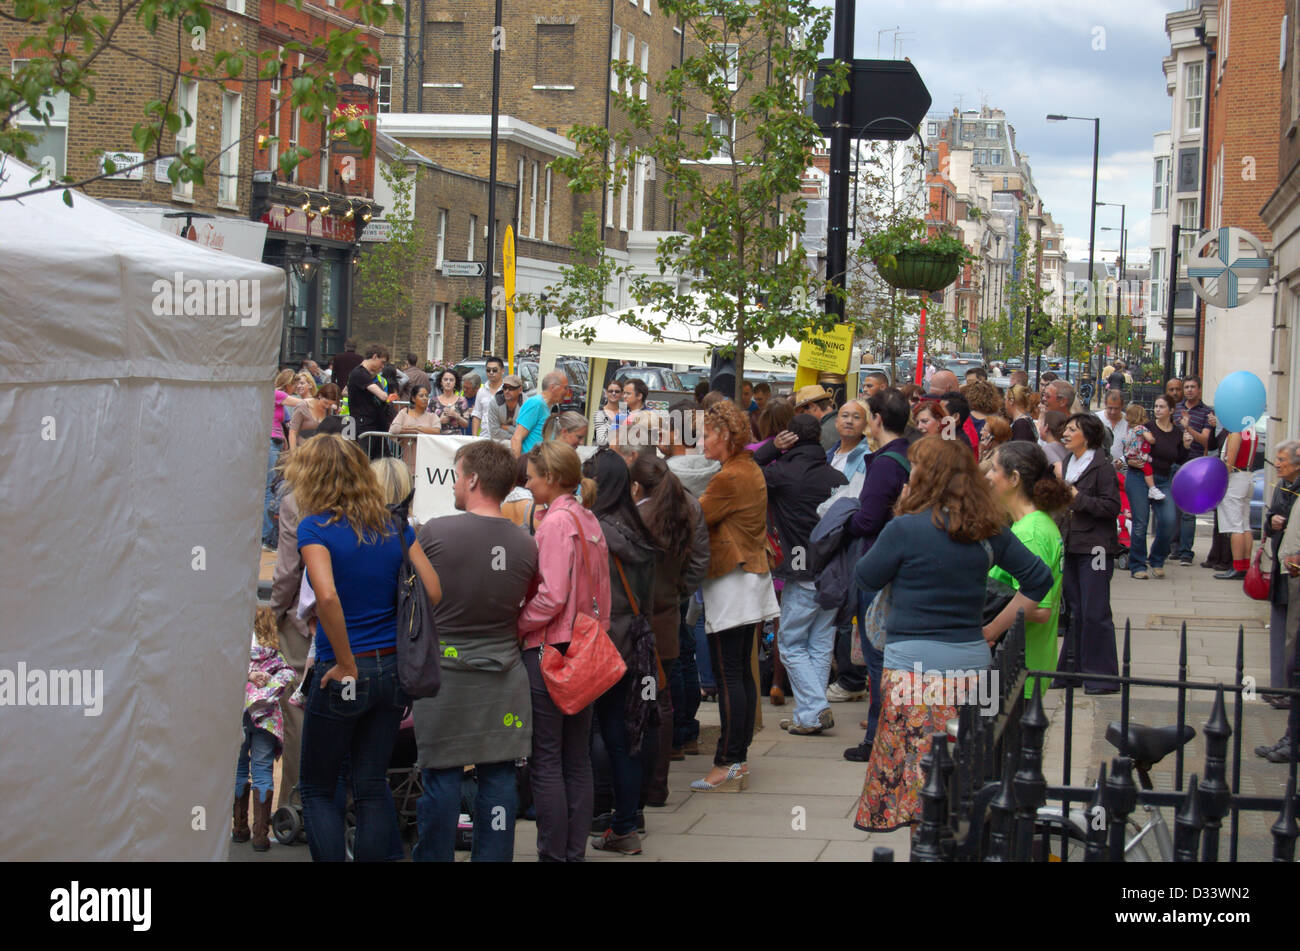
[572, 570]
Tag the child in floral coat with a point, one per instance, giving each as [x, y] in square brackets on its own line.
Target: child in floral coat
[269, 676]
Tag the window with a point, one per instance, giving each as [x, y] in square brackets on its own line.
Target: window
[437, 332]
[1189, 222]
[1225, 15]
[932, 128]
[519, 197]
[473, 232]
[295, 127]
[609, 190]
[50, 151]
[719, 127]
[440, 254]
[444, 53]
[977, 157]
[995, 157]
[1157, 278]
[638, 195]
[554, 54]
[644, 92]
[546, 209]
[615, 54]
[385, 89]
[323, 156]
[1160, 196]
[532, 205]
[1216, 193]
[991, 130]
[235, 6]
[228, 182]
[187, 103]
[730, 54]
[273, 150]
[631, 58]
[623, 194]
[1193, 87]
[645, 5]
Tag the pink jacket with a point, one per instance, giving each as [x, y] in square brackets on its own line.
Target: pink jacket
[559, 587]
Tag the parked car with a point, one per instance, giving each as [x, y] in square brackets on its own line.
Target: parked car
[656, 378]
[691, 378]
[963, 362]
[885, 368]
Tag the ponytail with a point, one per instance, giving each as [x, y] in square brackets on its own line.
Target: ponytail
[667, 511]
[1051, 494]
[587, 488]
[1038, 480]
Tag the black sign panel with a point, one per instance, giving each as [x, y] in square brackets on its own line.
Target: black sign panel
[889, 100]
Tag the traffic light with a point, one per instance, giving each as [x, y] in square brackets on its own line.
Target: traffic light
[1101, 324]
[965, 326]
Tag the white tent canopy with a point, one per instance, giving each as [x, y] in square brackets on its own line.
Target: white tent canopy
[135, 411]
[681, 344]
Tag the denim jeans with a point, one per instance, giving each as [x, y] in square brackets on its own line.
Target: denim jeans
[626, 770]
[875, 668]
[1142, 507]
[361, 728]
[1186, 528]
[684, 681]
[807, 640]
[703, 657]
[495, 806]
[269, 534]
[259, 747]
[560, 770]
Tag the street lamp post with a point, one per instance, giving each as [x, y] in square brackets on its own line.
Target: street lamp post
[1092, 209]
[1123, 257]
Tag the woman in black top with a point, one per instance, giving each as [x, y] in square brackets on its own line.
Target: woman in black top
[1023, 426]
[1169, 449]
[1091, 543]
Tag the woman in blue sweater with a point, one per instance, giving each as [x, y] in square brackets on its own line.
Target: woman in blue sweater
[947, 533]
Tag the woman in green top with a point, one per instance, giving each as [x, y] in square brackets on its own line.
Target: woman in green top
[1030, 491]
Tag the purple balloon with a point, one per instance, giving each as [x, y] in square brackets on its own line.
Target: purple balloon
[1200, 485]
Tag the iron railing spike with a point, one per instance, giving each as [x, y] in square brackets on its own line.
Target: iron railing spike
[1096, 851]
[1284, 830]
[1188, 824]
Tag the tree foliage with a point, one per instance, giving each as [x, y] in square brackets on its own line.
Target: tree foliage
[66, 43]
[728, 135]
[386, 275]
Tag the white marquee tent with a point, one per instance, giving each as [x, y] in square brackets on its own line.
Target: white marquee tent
[681, 344]
[135, 410]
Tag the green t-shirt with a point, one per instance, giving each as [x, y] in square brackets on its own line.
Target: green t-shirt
[1041, 536]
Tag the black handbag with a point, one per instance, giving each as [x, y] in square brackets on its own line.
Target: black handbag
[419, 672]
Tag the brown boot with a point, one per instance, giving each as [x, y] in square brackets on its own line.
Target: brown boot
[262, 822]
[239, 825]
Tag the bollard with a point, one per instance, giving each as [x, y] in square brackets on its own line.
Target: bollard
[882, 853]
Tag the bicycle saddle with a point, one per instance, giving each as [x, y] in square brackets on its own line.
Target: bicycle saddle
[1148, 745]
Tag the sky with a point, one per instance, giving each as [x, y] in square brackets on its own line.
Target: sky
[1033, 57]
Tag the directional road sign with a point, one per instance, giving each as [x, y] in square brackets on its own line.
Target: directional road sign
[463, 268]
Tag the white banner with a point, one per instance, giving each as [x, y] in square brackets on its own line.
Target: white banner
[435, 474]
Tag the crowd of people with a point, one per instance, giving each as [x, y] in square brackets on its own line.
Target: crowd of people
[686, 536]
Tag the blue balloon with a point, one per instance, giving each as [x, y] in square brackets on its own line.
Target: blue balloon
[1239, 401]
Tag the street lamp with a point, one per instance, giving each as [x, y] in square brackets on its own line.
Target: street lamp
[1092, 208]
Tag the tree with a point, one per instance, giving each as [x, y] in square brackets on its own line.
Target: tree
[66, 41]
[1024, 293]
[731, 152]
[387, 273]
[890, 191]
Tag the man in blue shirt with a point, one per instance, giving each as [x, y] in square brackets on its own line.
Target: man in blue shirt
[1199, 420]
[536, 411]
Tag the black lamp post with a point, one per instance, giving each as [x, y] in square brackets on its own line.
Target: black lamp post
[1092, 209]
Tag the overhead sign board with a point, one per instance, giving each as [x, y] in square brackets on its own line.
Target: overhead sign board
[463, 268]
[889, 100]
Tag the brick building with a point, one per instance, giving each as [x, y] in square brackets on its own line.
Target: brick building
[1281, 214]
[315, 214]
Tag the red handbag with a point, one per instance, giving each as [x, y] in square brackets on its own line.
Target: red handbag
[592, 664]
[1257, 581]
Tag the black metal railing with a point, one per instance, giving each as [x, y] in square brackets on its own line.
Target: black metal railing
[985, 799]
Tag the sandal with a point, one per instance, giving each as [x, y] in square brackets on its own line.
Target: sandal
[734, 781]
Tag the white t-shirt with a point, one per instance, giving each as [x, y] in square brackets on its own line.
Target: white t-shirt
[839, 459]
[485, 395]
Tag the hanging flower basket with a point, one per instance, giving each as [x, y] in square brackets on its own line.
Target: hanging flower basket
[919, 270]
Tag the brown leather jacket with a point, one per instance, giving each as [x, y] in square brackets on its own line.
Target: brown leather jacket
[735, 508]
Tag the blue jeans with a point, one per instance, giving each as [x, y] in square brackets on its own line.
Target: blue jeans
[684, 681]
[1186, 529]
[259, 748]
[807, 640]
[494, 814]
[1142, 507]
[361, 728]
[269, 534]
[703, 660]
[626, 770]
[875, 667]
